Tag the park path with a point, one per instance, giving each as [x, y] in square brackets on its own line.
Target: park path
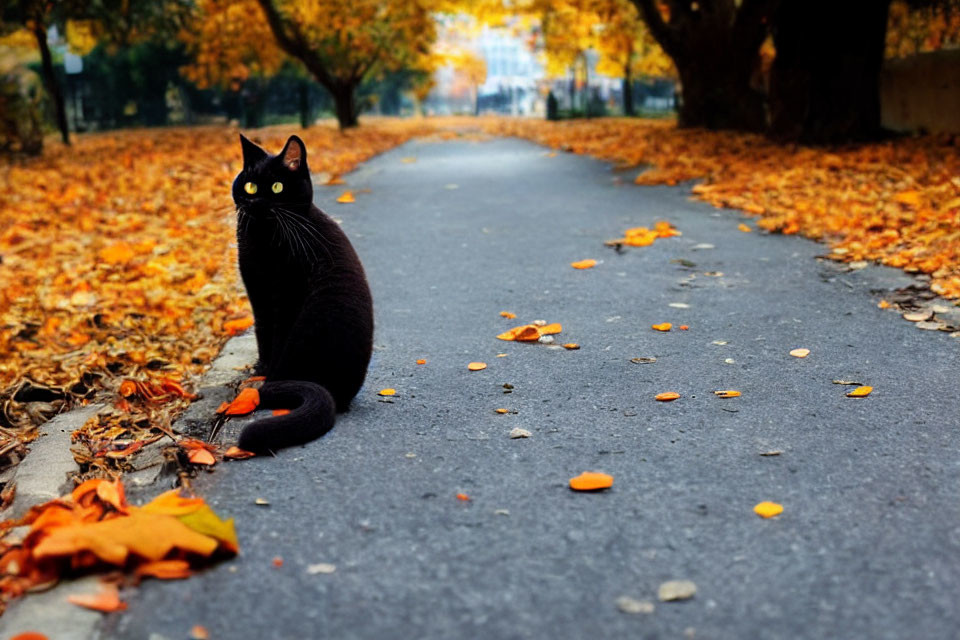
[868, 541]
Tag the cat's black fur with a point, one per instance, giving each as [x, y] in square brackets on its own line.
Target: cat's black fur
[312, 310]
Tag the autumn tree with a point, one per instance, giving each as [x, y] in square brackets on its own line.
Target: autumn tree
[714, 45]
[118, 22]
[472, 70]
[344, 42]
[626, 48]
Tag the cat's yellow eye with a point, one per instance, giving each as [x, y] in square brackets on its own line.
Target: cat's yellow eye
[277, 187]
[250, 188]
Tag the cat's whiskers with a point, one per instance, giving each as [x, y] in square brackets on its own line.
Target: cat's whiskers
[311, 235]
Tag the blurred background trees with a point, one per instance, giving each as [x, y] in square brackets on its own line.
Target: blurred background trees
[799, 70]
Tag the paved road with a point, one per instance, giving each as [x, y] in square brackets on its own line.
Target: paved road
[869, 541]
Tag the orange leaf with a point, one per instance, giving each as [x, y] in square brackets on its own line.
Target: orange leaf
[278, 561]
[233, 327]
[165, 569]
[683, 327]
[387, 392]
[463, 497]
[508, 315]
[201, 456]
[346, 198]
[113, 494]
[860, 392]
[667, 396]
[127, 388]
[727, 394]
[421, 361]
[523, 333]
[502, 411]
[280, 412]
[117, 253]
[29, 635]
[572, 346]
[107, 600]
[584, 264]
[236, 453]
[245, 402]
[199, 632]
[223, 407]
[663, 326]
[591, 481]
[744, 227]
[550, 329]
[477, 366]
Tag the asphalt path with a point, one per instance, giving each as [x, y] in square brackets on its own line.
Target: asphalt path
[868, 545]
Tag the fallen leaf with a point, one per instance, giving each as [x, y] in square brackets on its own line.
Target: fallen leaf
[591, 481]
[517, 432]
[507, 314]
[201, 456]
[768, 509]
[663, 326]
[667, 396]
[233, 327]
[571, 346]
[198, 632]
[261, 502]
[676, 590]
[29, 635]
[236, 453]
[847, 382]
[683, 327]
[643, 360]
[523, 333]
[550, 329]
[477, 366]
[744, 228]
[626, 604]
[277, 561]
[773, 452]
[107, 600]
[387, 392]
[321, 568]
[463, 497]
[280, 412]
[800, 353]
[421, 361]
[245, 402]
[502, 411]
[860, 392]
[164, 569]
[730, 393]
[883, 304]
[346, 198]
[584, 264]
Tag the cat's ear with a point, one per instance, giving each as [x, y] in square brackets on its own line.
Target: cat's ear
[252, 153]
[294, 154]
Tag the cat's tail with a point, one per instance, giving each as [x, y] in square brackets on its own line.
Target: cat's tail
[312, 414]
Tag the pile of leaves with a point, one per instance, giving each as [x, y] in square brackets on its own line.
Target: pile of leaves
[119, 279]
[896, 202]
[95, 530]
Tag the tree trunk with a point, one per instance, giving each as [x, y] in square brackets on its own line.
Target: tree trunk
[345, 104]
[476, 99]
[305, 111]
[825, 81]
[627, 89]
[716, 92]
[715, 46]
[50, 80]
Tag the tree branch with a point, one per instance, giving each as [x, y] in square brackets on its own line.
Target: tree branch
[753, 22]
[292, 41]
[665, 36]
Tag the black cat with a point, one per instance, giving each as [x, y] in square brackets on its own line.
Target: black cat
[312, 310]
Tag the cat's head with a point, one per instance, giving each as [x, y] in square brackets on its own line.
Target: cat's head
[269, 181]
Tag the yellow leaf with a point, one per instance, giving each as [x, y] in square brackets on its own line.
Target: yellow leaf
[800, 353]
[387, 392]
[768, 509]
[860, 392]
[727, 394]
[744, 228]
[477, 366]
[667, 396]
[663, 326]
[346, 198]
[584, 264]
